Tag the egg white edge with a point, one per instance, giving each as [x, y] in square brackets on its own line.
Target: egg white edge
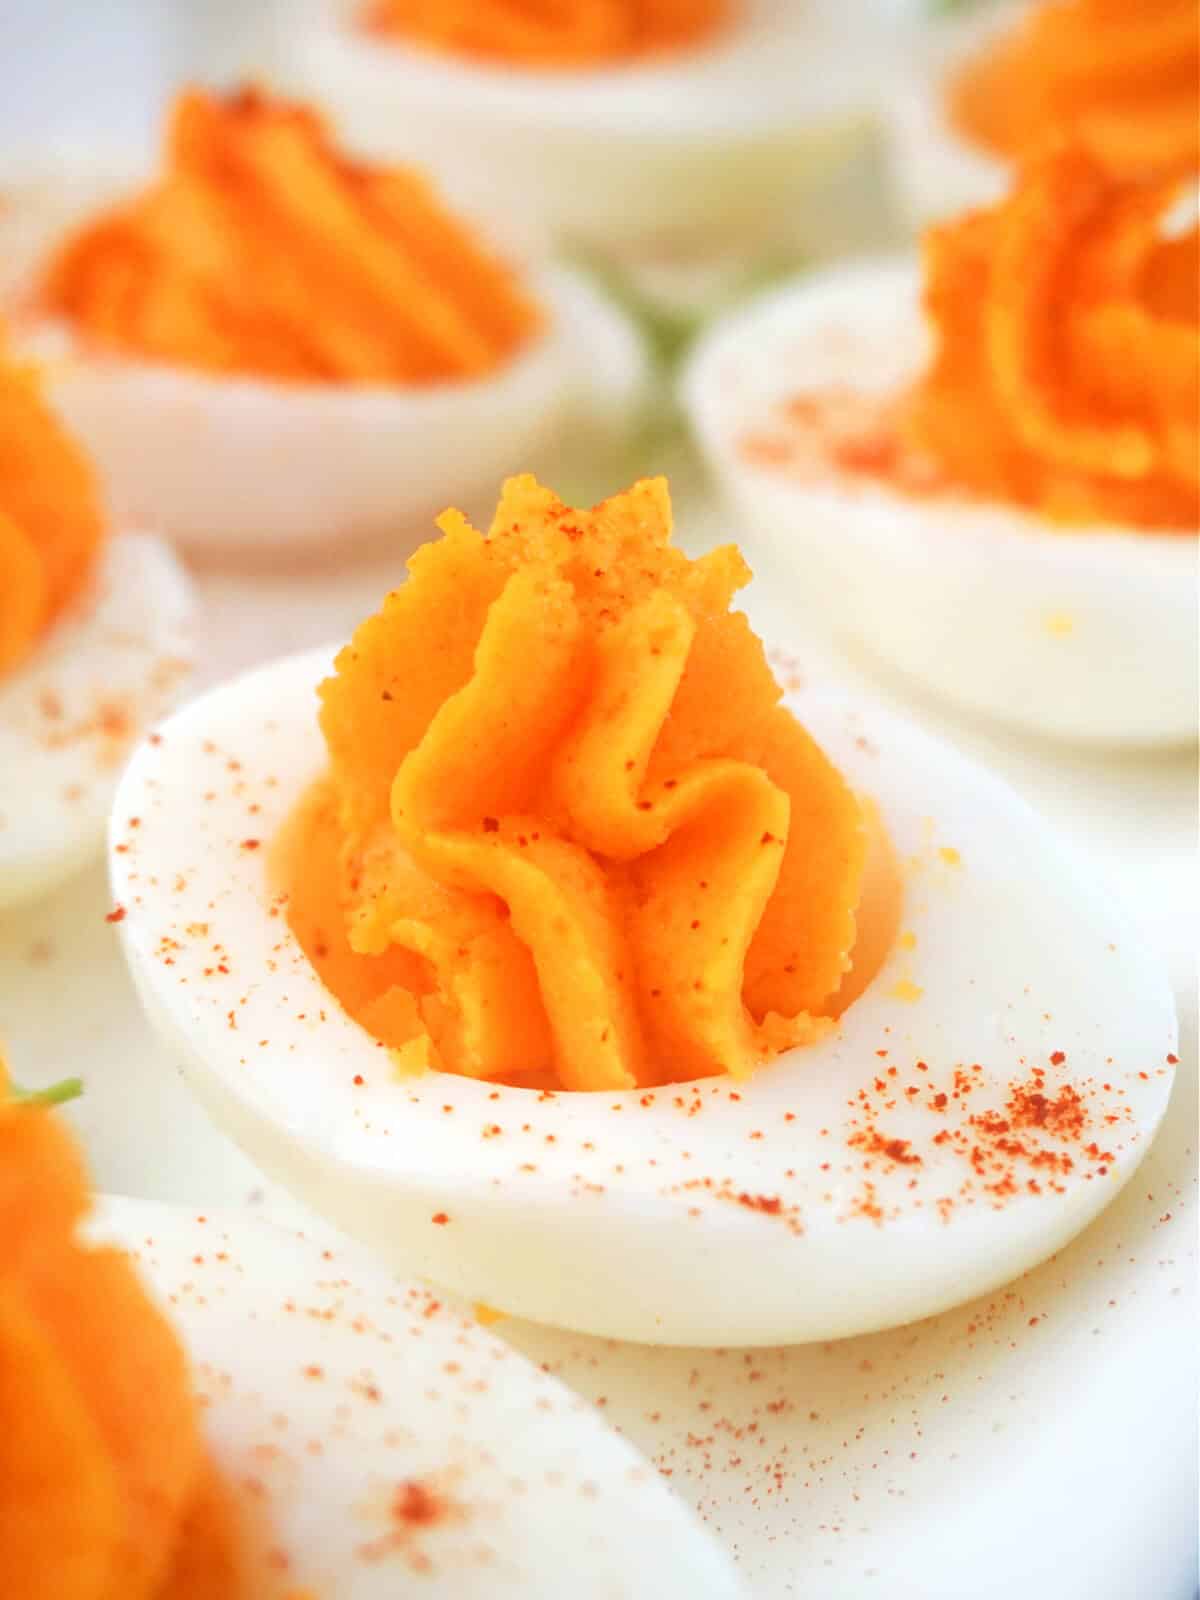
[136, 610]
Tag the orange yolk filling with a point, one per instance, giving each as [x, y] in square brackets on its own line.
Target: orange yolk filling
[1067, 371]
[263, 251]
[551, 33]
[568, 836]
[1121, 76]
[50, 520]
[105, 1490]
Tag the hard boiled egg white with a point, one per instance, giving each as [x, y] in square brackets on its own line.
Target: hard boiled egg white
[689, 148]
[844, 1188]
[935, 170]
[385, 1445]
[1080, 633]
[237, 464]
[71, 712]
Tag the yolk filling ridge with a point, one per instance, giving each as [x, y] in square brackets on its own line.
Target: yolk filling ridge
[568, 836]
[50, 519]
[561, 34]
[1120, 76]
[263, 251]
[105, 1489]
[1067, 370]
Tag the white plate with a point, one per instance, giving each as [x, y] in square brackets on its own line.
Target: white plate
[978, 1454]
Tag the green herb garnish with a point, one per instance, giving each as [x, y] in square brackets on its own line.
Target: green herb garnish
[56, 1095]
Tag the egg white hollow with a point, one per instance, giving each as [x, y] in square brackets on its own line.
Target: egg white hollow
[936, 171]
[333, 1394]
[712, 142]
[71, 712]
[242, 465]
[720, 1213]
[1082, 634]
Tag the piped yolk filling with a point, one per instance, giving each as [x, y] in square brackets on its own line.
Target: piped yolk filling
[50, 519]
[1120, 76]
[1067, 370]
[263, 251]
[568, 835]
[549, 34]
[105, 1488]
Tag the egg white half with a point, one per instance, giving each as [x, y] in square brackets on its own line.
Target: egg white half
[234, 464]
[1086, 634]
[715, 1213]
[936, 172]
[332, 1393]
[702, 144]
[72, 711]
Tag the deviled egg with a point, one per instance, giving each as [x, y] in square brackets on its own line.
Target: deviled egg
[200, 1406]
[981, 90]
[271, 347]
[92, 645]
[564, 963]
[673, 128]
[1001, 499]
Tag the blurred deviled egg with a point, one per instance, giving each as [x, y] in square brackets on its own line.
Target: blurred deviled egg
[983, 89]
[660, 128]
[1000, 500]
[92, 644]
[564, 961]
[204, 1408]
[273, 347]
